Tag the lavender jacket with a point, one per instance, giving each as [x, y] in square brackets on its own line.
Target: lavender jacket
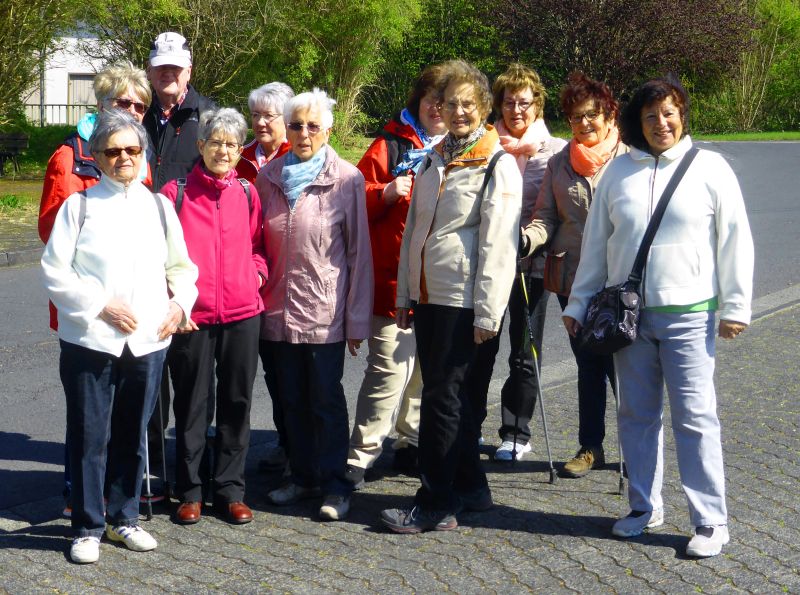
[320, 284]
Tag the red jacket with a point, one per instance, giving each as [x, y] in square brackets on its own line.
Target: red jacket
[247, 167]
[226, 244]
[71, 169]
[386, 222]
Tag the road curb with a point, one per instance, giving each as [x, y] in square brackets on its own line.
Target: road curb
[8, 259]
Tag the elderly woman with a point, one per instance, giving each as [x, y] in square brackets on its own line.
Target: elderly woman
[701, 260]
[558, 219]
[318, 298]
[518, 97]
[72, 168]
[390, 392]
[115, 255]
[266, 117]
[221, 219]
[457, 263]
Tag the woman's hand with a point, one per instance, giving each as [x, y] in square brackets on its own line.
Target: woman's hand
[353, 345]
[728, 329]
[481, 335]
[119, 315]
[171, 321]
[401, 318]
[400, 186]
[573, 326]
[189, 327]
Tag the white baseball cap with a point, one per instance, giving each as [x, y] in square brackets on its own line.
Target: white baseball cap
[170, 48]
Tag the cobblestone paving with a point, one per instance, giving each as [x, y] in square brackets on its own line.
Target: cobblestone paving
[539, 537]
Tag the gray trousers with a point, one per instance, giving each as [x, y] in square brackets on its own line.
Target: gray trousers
[676, 350]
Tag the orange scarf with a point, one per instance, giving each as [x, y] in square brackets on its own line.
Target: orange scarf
[587, 161]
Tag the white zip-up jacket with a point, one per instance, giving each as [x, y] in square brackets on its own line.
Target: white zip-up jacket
[456, 250]
[120, 252]
[702, 249]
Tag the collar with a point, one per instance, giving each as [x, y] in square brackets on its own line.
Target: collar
[481, 152]
[211, 181]
[675, 152]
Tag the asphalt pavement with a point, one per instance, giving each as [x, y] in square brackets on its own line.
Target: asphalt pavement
[539, 537]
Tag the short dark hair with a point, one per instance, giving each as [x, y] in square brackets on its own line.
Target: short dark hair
[428, 80]
[648, 94]
[580, 88]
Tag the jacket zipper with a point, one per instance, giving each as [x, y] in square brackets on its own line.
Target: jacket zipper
[650, 215]
[218, 239]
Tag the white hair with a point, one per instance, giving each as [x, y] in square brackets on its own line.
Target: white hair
[314, 98]
[225, 120]
[272, 95]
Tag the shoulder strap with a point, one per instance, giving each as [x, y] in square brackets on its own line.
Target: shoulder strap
[658, 214]
[162, 215]
[179, 197]
[246, 185]
[489, 171]
[396, 147]
[81, 211]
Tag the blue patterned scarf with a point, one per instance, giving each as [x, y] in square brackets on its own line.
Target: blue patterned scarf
[412, 159]
[297, 175]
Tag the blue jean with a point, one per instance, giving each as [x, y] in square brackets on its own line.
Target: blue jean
[98, 385]
[676, 350]
[593, 370]
[309, 379]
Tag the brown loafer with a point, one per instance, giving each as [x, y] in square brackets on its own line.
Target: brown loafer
[188, 513]
[238, 513]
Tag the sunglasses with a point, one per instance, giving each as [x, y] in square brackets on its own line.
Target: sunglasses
[139, 107]
[312, 128]
[117, 151]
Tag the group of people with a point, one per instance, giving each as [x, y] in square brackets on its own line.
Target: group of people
[176, 250]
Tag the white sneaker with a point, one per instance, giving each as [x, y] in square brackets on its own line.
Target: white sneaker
[506, 451]
[334, 508]
[291, 493]
[85, 550]
[707, 541]
[133, 536]
[631, 526]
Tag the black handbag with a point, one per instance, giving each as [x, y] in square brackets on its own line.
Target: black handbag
[612, 317]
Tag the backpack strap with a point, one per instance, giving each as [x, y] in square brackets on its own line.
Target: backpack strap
[489, 171]
[179, 197]
[246, 185]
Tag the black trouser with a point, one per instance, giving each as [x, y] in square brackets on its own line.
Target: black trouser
[520, 390]
[234, 348]
[449, 459]
[271, 378]
[309, 379]
[593, 370]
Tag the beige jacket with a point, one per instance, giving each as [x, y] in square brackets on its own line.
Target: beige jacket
[456, 250]
[559, 218]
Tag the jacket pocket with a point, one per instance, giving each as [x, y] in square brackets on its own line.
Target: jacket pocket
[672, 266]
[555, 273]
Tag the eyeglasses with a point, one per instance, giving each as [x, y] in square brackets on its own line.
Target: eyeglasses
[117, 151]
[466, 106]
[258, 116]
[510, 106]
[298, 126]
[578, 118]
[216, 145]
[139, 107]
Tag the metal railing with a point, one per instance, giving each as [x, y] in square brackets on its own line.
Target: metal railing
[55, 113]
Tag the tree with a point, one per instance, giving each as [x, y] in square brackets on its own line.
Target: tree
[623, 42]
[27, 29]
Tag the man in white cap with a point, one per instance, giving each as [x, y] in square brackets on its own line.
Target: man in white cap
[172, 123]
[173, 118]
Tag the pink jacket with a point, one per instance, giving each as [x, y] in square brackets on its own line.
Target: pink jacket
[320, 286]
[225, 241]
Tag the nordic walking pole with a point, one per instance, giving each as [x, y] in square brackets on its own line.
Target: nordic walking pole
[553, 474]
[164, 479]
[621, 488]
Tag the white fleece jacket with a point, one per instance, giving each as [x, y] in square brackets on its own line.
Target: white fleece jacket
[120, 252]
[703, 247]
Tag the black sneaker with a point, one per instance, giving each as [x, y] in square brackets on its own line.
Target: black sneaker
[355, 475]
[479, 500]
[406, 461]
[402, 520]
